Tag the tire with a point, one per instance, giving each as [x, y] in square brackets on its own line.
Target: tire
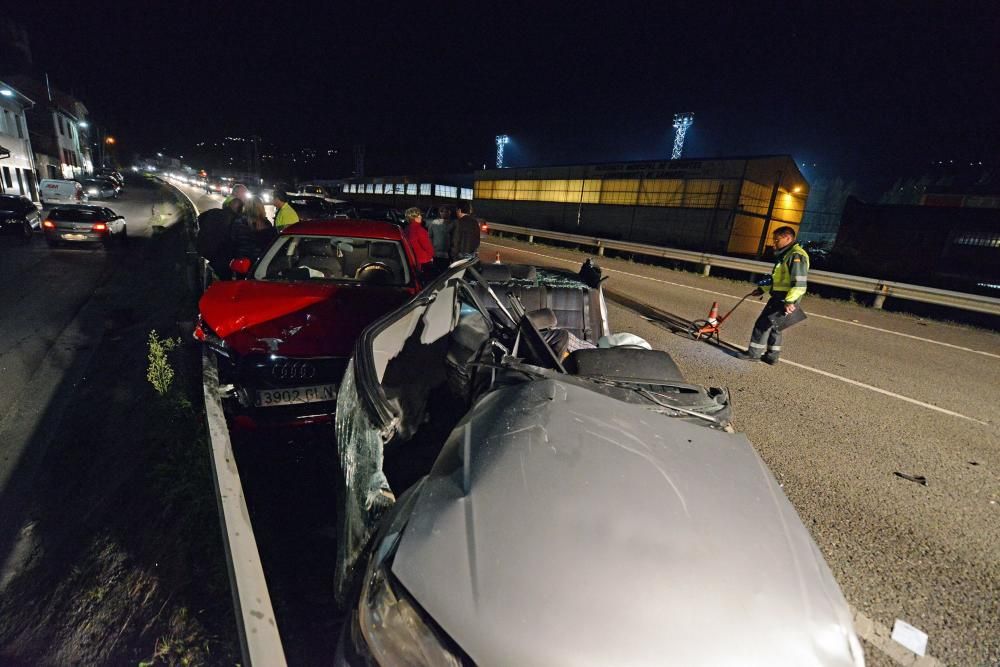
[27, 232]
[695, 326]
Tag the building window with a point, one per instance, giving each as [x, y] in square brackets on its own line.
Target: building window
[465, 193]
[446, 191]
[5, 127]
[621, 191]
[7, 178]
[370, 188]
[20, 127]
[400, 188]
[411, 188]
[62, 130]
[378, 188]
[425, 188]
[977, 239]
[20, 183]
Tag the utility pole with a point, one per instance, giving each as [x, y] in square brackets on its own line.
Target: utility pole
[682, 121]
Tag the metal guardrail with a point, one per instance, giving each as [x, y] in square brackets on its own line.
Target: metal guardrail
[881, 289]
[260, 642]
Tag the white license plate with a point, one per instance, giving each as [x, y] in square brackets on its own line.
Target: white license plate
[74, 237]
[293, 395]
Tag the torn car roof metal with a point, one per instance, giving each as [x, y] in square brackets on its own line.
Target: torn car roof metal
[585, 531]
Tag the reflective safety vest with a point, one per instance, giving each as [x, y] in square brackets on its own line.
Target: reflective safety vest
[285, 216]
[789, 274]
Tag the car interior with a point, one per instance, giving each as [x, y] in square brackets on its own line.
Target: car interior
[331, 258]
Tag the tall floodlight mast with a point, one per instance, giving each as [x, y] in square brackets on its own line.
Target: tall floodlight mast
[502, 140]
[682, 121]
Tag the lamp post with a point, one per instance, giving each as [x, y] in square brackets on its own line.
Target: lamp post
[682, 121]
[502, 140]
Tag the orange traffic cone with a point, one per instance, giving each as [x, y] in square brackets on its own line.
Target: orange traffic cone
[497, 260]
[713, 315]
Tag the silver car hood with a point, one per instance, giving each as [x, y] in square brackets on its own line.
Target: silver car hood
[561, 527]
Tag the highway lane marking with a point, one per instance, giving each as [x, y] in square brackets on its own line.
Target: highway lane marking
[758, 304]
[884, 391]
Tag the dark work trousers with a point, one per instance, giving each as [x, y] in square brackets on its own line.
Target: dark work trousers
[765, 337]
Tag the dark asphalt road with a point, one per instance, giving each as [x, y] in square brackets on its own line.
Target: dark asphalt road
[56, 305]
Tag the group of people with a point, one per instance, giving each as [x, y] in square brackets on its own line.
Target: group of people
[241, 227]
[451, 236]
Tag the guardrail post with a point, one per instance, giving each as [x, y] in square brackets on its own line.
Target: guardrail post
[600, 249]
[706, 269]
[880, 293]
[531, 238]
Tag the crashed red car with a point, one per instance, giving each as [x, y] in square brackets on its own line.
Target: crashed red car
[283, 335]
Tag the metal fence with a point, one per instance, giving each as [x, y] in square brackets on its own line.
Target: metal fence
[881, 289]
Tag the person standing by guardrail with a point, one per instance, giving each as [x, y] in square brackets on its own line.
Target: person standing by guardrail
[439, 229]
[416, 235]
[465, 232]
[787, 286]
[284, 214]
[263, 230]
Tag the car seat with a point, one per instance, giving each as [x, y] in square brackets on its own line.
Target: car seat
[319, 254]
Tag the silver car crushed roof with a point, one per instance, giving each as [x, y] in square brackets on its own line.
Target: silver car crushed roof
[561, 527]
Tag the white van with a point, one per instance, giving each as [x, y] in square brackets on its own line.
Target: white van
[54, 190]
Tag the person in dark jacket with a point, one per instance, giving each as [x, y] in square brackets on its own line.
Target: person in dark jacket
[465, 233]
[417, 237]
[223, 235]
[263, 231]
[439, 229]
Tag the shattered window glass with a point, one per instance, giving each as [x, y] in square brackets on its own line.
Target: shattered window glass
[364, 494]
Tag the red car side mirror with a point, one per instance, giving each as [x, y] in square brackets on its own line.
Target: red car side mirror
[240, 266]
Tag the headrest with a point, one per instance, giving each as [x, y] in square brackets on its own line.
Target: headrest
[543, 318]
[316, 248]
[495, 273]
[382, 250]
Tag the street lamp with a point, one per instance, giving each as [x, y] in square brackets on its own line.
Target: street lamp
[84, 124]
[502, 140]
[109, 140]
[682, 121]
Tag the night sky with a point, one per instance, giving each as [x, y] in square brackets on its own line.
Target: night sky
[866, 93]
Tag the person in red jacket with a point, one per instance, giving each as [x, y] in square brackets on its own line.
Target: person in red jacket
[418, 238]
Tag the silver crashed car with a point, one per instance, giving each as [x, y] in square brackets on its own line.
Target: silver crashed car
[558, 507]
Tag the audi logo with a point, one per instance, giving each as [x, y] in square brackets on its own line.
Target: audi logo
[293, 370]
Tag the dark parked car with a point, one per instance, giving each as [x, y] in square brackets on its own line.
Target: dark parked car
[18, 216]
[283, 335]
[589, 509]
[309, 207]
[100, 188]
[85, 223]
[366, 211]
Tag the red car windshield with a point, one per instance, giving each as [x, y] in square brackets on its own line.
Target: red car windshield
[334, 259]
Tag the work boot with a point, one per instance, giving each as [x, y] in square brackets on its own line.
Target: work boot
[747, 356]
[771, 359]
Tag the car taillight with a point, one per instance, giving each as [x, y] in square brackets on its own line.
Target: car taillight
[48, 224]
[100, 227]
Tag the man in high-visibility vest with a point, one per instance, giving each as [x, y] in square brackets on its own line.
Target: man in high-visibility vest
[284, 214]
[787, 287]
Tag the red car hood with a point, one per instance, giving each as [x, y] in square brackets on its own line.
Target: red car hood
[295, 319]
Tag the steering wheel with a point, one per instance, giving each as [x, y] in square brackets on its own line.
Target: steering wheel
[375, 272]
